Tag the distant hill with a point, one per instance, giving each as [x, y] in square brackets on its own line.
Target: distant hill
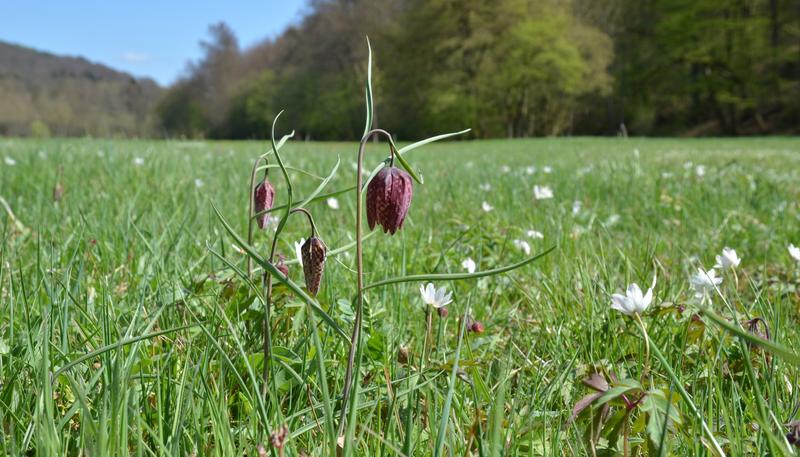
[42, 93]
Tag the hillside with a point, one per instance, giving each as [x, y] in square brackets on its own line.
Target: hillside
[70, 96]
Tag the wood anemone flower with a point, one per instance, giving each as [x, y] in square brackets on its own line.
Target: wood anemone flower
[388, 199]
[263, 196]
[313, 254]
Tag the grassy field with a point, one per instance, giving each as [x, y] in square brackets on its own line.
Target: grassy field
[124, 332]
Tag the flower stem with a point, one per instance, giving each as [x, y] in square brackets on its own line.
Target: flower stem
[646, 345]
[351, 388]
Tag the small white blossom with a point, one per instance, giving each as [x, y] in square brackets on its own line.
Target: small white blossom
[542, 192]
[138, 161]
[704, 282]
[9, 161]
[633, 301]
[486, 187]
[611, 220]
[298, 252]
[728, 260]
[435, 297]
[700, 171]
[688, 165]
[486, 207]
[332, 203]
[505, 169]
[576, 207]
[530, 170]
[666, 174]
[535, 234]
[547, 169]
[469, 265]
[523, 246]
[198, 183]
[794, 252]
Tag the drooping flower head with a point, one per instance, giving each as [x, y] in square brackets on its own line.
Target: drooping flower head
[728, 260]
[313, 254]
[388, 199]
[469, 265]
[263, 196]
[633, 301]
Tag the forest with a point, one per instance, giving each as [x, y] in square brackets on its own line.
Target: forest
[506, 68]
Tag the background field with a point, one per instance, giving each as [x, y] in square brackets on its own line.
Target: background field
[125, 253]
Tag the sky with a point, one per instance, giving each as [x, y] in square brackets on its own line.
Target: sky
[149, 38]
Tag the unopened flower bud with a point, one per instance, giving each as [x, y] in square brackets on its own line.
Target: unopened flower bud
[281, 266]
[402, 355]
[442, 311]
[313, 253]
[388, 198]
[263, 195]
[793, 437]
[278, 438]
[476, 327]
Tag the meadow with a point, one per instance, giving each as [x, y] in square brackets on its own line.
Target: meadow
[128, 325]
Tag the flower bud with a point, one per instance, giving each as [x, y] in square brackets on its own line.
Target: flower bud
[263, 195]
[313, 253]
[476, 327]
[443, 312]
[281, 266]
[388, 198]
[402, 355]
[278, 438]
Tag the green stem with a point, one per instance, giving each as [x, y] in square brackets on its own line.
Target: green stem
[646, 345]
[355, 340]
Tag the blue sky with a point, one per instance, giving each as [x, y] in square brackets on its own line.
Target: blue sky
[146, 37]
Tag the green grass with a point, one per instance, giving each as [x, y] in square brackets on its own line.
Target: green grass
[123, 333]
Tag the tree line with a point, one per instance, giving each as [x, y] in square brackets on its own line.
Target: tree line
[505, 68]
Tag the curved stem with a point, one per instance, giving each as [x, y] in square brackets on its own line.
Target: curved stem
[355, 340]
[310, 219]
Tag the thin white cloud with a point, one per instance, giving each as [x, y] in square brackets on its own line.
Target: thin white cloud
[135, 57]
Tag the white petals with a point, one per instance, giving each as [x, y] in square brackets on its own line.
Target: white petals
[332, 203]
[704, 282]
[469, 265]
[435, 297]
[138, 161]
[486, 207]
[728, 260]
[535, 234]
[542, 192]
[297, 251]
[9, 161]
[633, 301]
[523, 246]
[794, 252]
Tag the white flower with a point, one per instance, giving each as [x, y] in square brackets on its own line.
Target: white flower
[704, 282]
[505, 168]
[576, 207]
[530, 170]
[611, 220]
[547, 169]
[435, 297]
[486, 207]
[486, 187]
[332, 203]
[794, 252]
[297, 251]
[9, 161]
[700, 170]
[666, 174]
[523, 245]
[469, 265]
[688, 165]
[728, 259]
[198, 183]
[138, 161]
[535, 234]
[633, 301]
[542, 192]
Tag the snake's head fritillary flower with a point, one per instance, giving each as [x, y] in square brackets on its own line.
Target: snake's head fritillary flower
[476, 327]
[281, 265]
[486, 207]
[633, 301]
[794, 252]
[388, 199]
[279, 437]
[263, 196]
[523, 246]
[313, 254]
[332, 203]
[443, 312]
[728, 259]
[469, 265]
[432, 296]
